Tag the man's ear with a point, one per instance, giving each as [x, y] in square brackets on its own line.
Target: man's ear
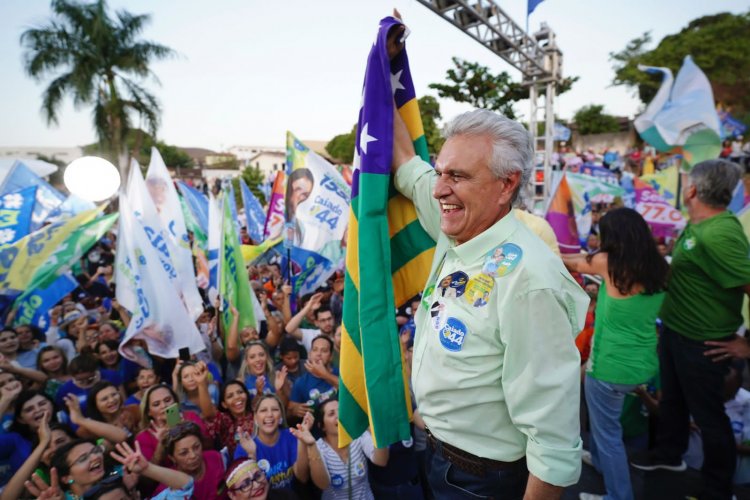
[510, 186]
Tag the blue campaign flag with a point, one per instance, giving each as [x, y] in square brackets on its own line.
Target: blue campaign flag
[15, 214]
[561, 132]
[197, 202]
[532, 5]
[47, 197]
[309, 270]
[256, 217]
[33, 308]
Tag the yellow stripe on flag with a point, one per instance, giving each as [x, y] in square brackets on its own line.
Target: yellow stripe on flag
[352, 370]
[408, 281]
[401, 213]
[352, 250]
[410, 113]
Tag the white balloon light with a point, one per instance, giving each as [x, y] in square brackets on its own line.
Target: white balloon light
[92, 178]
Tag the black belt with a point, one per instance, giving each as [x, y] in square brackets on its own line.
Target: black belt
[467, 462]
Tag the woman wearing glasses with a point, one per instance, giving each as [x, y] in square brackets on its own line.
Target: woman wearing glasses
[245, 480]
[78, 468]
[183, 444]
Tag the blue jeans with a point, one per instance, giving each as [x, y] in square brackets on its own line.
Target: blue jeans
[448, 482]
[604, 402]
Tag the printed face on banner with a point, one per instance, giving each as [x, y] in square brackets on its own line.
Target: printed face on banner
[317, 201]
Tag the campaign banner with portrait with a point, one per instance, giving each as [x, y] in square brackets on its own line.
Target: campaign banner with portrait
[316, 202]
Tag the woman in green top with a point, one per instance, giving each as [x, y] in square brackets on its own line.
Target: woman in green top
[623, 354]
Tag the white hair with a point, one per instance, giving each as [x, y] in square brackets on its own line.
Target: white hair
[512, 150]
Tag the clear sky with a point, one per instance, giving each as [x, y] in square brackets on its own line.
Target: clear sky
[248, 70]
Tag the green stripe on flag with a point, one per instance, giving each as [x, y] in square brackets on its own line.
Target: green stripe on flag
[410, 241]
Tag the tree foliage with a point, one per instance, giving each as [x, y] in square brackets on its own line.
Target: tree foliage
[475, 84]
[139, 143]
[429, 109]
[472, 83]
[100, 61]
[341, 147]
[253, 177]
[719, 45]
[591, 119]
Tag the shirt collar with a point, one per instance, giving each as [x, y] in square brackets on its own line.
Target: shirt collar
[493, 236]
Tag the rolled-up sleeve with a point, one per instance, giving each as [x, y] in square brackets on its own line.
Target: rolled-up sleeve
[415, 179]
[541, 382]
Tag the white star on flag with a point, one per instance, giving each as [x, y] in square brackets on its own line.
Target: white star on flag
[396, 82]
[364, 138]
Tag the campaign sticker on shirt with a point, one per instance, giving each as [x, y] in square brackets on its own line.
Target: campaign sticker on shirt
[359, 469]
[689, 243]
[426, 296]
[478, 290]
[502, 260]
[408, 443]
[264, 465]
[437, 314]
[453, 334]
[337, 480]
[453, 285]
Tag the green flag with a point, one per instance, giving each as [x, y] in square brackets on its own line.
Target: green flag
[69, 252]
[234, 285]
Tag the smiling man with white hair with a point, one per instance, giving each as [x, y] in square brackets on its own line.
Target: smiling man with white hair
[495, 368]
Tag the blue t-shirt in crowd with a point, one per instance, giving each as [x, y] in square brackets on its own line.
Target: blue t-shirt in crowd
[70, 388]
[14, 450]
[311, 388]
[27, 359]
[277, 460]
[250, 384]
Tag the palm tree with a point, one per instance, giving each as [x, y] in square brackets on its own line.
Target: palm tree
[98, 60]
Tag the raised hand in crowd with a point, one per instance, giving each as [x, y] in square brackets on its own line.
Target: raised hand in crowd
[280, 380]
[14, 488]
[247, 443]
[8, 394]
[43, 491]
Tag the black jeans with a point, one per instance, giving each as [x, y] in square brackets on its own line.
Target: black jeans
[448, 482]
[692, 385]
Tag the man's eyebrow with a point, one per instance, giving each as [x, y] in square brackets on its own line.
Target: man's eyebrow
[451, 171]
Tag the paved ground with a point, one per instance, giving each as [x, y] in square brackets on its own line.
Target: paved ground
[656, 485]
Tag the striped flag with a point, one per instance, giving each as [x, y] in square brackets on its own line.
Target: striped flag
[383, 233]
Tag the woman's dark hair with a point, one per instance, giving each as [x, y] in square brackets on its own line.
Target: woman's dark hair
[294, 176]
[632, 256]
[180, 432]
[84, 363]
[56, 426]
[113, 346]
[22, 399]
[48, 348]
[91, 410]
[320, 411]
[60, 459]
[225, 387]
